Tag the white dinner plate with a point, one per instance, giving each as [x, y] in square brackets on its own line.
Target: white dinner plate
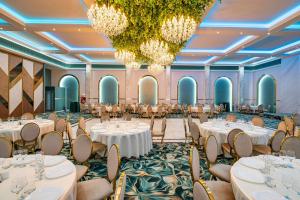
[267, 194]
[23, 160]
[58, 171]
[53, 160]
[250, 175]
[46, 193]
[252, 162]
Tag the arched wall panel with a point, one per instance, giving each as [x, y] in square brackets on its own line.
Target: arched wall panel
[109, 90]
[267, 92]
[187, 91]
[223, 91]
[148, 90]
[71, 85]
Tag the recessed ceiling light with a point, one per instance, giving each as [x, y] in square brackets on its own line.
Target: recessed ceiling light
[218, 32]
[79, 30]
[241, 33]
[1, 28]
[269, 33]
[24, 28]
[53, 29]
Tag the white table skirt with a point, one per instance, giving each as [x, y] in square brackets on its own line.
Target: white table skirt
[220, 131]
[68, 182]
[244, 190]
[135, 144]
[12, 130]
[206, 109]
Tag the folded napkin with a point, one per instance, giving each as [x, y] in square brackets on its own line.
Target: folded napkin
[58, 171]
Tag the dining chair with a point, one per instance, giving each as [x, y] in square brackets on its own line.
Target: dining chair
[242, 145]
[228, 147]
[200, 109]
[101, 188]
[291, 143]
[282, 126]
[104, 117]
[81, 123]
[70, 136]
[152, 124]
[194, 161]
[212, 190]
[27, 116]
[60, 126]
[52, 143]
[221, 171]
[258, 121]
[6, 147]
[127, 116]
[29, 136]
[81, 151]
[121, 187]
[290, 125]
[203, 118]
[52, 116]
[186, 133]
[273, 144]
[231, 118]
[162, 132]
[196, 136]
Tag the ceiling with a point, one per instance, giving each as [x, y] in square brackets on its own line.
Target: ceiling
[234, 32]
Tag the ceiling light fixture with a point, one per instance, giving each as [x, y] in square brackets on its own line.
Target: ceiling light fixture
[133, 65]
[124, 56]
[155, 68]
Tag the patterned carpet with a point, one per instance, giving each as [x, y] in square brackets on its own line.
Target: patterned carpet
[163, 174]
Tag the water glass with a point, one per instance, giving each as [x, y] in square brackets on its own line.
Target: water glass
[17, 184]
[291, 155]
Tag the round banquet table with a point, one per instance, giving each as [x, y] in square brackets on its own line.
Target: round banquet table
[249, 183]
[206, 109]
[12, 130]
[68, 182]
[134, 138]
[221, 128]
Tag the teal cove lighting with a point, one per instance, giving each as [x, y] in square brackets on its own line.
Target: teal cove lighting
[109, 90]
[223, 91]
[71, 85]
[267, 93]
[148, 91]
[187, 91]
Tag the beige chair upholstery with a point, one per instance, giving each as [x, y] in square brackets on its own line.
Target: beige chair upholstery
[52, 116]
[52, 143]
[220, 171]
[5, 147]
[242, 145]
[61, 126]
[127, 116]
[203, 118]
[28, 116]
[121, 187]
[201, 191]
[231, 118]
[221, 190]
[29, 135]
[81, 131]
[101, 188]
[82, 150]
[194, 164]
[81, 123]
[70, 134]
[290, 125]
[258, 121]
[161, 134]
[228, 147]
[291, 143]
[104, 117]
[152, 124]
[273, 146]
[282, 126]
[186, 133]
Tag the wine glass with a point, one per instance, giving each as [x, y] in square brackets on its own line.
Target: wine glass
[291, 155]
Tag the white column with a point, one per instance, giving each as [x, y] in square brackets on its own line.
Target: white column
[207, 84]
[88, 82]
[241, 85]
[168, 86]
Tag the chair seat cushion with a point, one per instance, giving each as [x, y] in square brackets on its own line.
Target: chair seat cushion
[221, 171]
[81, 170]
[94, 189]
[262, 149]
[98, 147]
[221, 190]
[157, 134]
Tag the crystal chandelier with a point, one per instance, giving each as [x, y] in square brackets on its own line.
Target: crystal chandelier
[124, 56]
[155, 68]
[107, 19]
[154, 49]
[178, 29]
[165, 59]
[133, 65]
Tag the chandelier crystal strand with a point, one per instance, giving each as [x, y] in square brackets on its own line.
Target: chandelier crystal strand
[155, 68]
[133, 65]
[124, 56]
[153, 49]
[107, 19]
[178, 29]
[165, 59]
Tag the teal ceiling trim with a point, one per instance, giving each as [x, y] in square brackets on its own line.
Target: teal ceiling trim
[107, 66]
[220, 67]
[264, 65]
[182, 67]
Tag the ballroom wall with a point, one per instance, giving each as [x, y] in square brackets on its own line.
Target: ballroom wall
[21, 85]
[286, 75]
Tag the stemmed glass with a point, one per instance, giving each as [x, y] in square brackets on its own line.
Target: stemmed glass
[17, 184]
[39, 165]
[291, 155]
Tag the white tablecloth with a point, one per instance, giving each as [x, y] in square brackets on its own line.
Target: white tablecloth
[134, 138]
[68, 182]
[206, 109]
[244, 190]
[12, 130]
[221, 128]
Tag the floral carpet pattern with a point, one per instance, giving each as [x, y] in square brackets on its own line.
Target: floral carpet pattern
[162, 174]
